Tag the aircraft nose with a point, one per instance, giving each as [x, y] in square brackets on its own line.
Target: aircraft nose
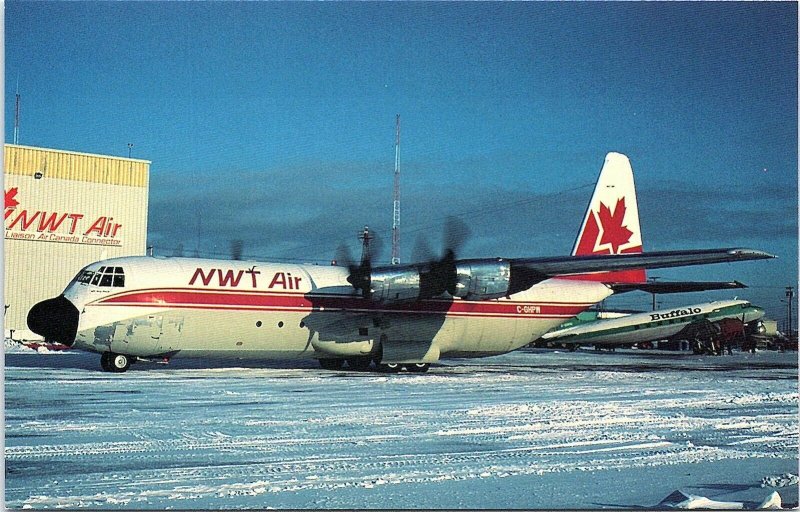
[55, 319]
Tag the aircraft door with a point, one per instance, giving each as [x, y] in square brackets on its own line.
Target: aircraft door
[171, 332]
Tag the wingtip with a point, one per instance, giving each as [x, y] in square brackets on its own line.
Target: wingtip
[750, 254]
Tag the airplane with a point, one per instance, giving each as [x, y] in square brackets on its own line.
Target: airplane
[692, 322]
[145, 308]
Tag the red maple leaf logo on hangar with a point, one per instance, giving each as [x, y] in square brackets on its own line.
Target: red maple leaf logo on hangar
[11, 198]
[614, 232]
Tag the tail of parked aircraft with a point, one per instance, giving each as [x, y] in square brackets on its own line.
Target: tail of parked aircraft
[611, 222]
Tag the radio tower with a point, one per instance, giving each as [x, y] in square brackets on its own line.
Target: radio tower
[396, 204]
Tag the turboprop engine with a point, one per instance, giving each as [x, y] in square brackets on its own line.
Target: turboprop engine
[483, 279]
[394, 284]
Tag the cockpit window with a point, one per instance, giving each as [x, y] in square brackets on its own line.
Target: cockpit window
[104, 276]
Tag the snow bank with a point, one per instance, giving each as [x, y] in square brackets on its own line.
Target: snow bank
[681, 500]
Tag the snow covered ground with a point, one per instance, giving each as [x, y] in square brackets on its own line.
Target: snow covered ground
[531, 429]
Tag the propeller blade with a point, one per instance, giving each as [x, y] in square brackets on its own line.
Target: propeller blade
[422, 250]
[343, 256]
[456, 233]
[375, 247]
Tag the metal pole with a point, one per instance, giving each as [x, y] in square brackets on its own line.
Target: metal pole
[789, 297]
[16, 116]
[653, 280]
[396, 202]
[16, 121]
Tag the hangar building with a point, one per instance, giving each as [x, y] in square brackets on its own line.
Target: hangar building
[64, 210]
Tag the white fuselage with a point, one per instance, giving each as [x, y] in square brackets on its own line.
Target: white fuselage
[196, 307]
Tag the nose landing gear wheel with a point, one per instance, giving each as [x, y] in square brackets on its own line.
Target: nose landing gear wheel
[115, 363]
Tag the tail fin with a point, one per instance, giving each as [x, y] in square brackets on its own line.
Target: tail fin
[611, 223]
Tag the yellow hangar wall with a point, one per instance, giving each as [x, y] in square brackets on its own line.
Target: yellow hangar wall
[64, 210]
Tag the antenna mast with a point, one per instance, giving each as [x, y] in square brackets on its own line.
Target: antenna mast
[365, 238]
[16, 116]
[396, 204]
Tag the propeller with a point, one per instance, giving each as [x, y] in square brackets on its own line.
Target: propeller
[359, 274]
[439, 276]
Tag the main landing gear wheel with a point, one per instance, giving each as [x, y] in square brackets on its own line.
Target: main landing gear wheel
[116, 363]
[418, 367]
[389, 367]
[331, 364]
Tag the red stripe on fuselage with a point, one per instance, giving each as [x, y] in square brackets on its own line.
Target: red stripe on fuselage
[223, 299]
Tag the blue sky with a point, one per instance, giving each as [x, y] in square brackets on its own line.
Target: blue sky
[274, 122]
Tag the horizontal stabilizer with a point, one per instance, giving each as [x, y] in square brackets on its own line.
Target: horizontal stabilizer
[675, 287]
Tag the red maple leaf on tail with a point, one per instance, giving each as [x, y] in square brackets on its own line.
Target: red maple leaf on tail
[614, 232]
[11, 200]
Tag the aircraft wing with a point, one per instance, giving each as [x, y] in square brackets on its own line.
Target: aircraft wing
[675, 287]
[492, 278]
[528, 271]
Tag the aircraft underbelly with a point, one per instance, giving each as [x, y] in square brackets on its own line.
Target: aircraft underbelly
[651, 334]
[478, 337]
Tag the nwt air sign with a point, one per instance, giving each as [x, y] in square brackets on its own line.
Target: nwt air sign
[41, 225]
